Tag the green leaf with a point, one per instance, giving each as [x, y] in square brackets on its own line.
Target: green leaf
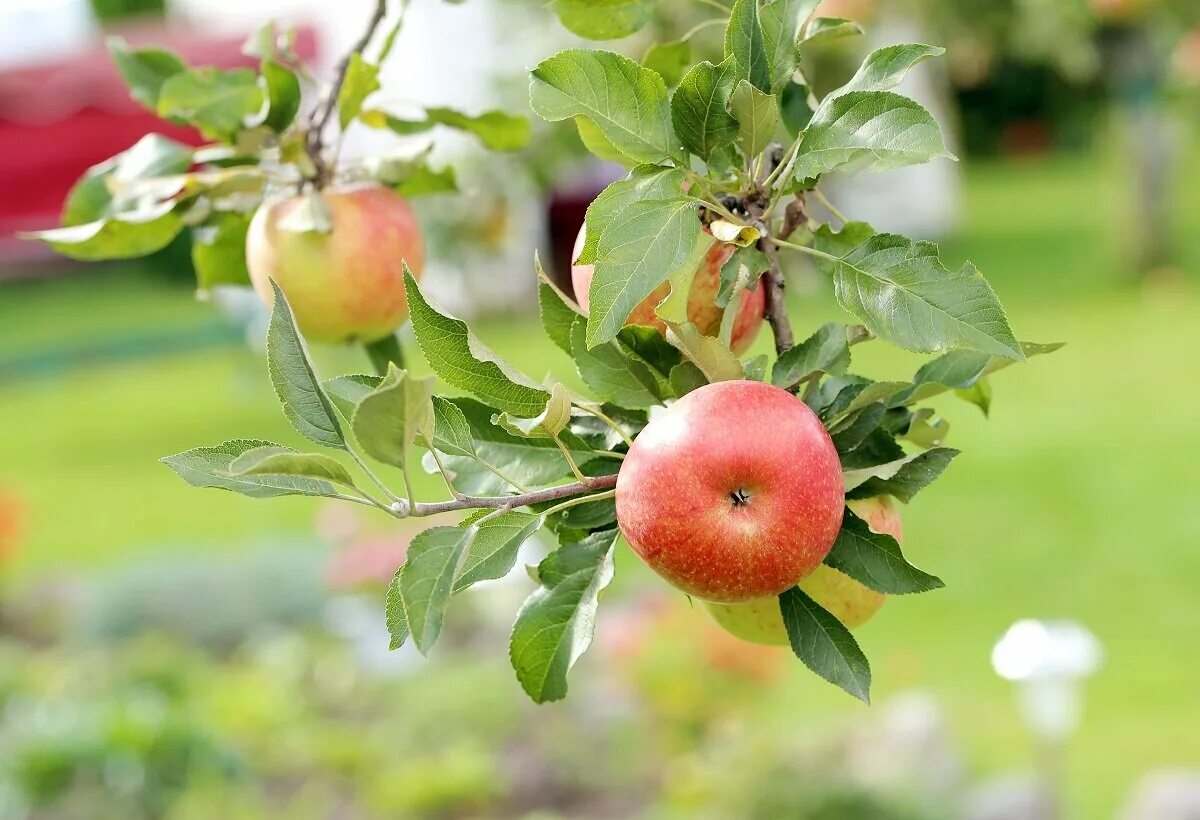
[699, 108]
[424, 181]
[451, 432]
[978, 394]
[961, 369]
[886, 68]
[902, 292]
[144, 70]
[853, 430]
[714, 358]
[558, 315]
[531, 462]
[600, 146]
[739, 272]
[639, 249]
[625, 100]
[926, 431]
[362, 80]
[546, 424]
[283, 95]
[603, 19]
[426, 580]
[825, 645]
[745, 45]
[876, 561]
[670, 60]
[279, 461]
[824, 30]
[881, 129]
[304, 402]
[114, 186]
[219, 103]
[210, 467]
[219, 250]
[913, 476]
[397, 621]
[780, 21]
[757, 115]
[119, 237]
[826, 351]
[645, 182]
[686, 377]
[463, 361]
[493, 551]
[647, 345]
[388, 420]
[347, 391]
[611, 374]
[497, 130]
[555, 624]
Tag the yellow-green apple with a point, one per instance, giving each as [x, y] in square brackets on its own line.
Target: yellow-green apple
[347, 284]
[852, 603]
[702, 310]
[1121, 11]
[733, 493]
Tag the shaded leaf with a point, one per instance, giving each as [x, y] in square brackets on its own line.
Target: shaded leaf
[388, 420]
[345, 392]
[279, 461]
[825, 645]
[826, 351]
[670, 60]
[912, 476]
[611, 374]
[603, 19]
[876, 561]
[830, 29]
[209, 467]
[645, 182]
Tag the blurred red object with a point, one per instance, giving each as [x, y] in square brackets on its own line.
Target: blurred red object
[11, 520]
[60, 118]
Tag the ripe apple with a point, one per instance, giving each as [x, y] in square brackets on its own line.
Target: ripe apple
[852, 603]
[702, 310]
[733, 493]
[345, 285]
[1121, 11]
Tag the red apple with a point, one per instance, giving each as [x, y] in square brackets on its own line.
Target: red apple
[346, 285]
[852, 603]
[1121, 11]
[702, 310]
[733, 493]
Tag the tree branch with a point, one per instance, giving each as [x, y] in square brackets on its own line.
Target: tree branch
[511, 502]
[324, 110]
[776, 303]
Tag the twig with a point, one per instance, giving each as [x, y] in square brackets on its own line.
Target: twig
[511, 502]
[829, 206]
[324, 110]
[776, 303]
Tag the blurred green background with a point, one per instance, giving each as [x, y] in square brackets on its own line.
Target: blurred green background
[172, 652]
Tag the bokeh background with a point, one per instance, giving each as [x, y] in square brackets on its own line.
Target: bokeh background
[168, 652]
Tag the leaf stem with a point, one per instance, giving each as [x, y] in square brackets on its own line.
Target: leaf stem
[829, 206]
[717, 5]
[805, 249]
[694, 30]
[391, 496]
[570, 460]
[583, 499]
[496, 472]
[437, 459]
[595, 411]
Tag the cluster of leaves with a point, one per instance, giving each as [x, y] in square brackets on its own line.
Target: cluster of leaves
[259, 146]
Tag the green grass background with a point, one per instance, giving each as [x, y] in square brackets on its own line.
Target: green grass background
[1077, 499]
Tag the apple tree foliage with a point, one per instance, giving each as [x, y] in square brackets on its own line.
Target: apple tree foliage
[731, 151]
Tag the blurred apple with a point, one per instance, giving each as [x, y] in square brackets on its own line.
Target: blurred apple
[1121, 11]
[860, 11]
[1187, 58]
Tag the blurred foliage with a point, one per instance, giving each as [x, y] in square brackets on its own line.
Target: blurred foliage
[108, 11]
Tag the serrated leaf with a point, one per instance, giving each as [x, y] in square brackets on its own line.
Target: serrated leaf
[886, 68]
[219, 250]
[712, 356]
[853, 430]
[647, 345]
[876, 561]
[599, 145]
[603, 19]
[397, 621]
[460, 359]
[555, 624]
[645, 182]
[219, 103]
[626, 101]
[497, 130]
[872, 393]
[757, 114]
[978, 394]
[879, 447]
[362, 80]
[278, 461]
[209, 467]
[830, 29]
[451, 432]
[670, 60]
[610, 373]
[345, 392]
[639, 249]
[745, 45]
[902, 292]
[686, 377]
[960, 369]
[558, 313]
[826, 351]
[493, 551]
[528, 461]
[913, 476]
[120, 237]
[880, 129]
[700, 108]
[546, 424]
[426, 580]
[855, 478]
[304, 402]
[388, 420]
[739, 272]
[780, 21]
[144, 70]
[825, 645]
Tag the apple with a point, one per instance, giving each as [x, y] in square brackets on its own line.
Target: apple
[1121, 11]
[702, 310]
[852, 603]
[733, 493]
[1187, 58]
[346, 285]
